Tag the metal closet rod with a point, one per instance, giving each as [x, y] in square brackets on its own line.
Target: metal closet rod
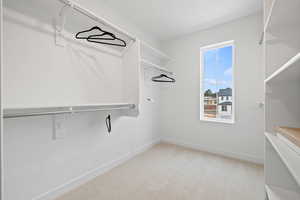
[91, 15]
[29, 112]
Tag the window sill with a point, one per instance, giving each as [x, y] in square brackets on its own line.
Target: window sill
[218, 120]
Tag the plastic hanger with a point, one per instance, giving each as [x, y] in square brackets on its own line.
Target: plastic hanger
[99, 38]
[157, 79]
[104, 33]
[108, 123]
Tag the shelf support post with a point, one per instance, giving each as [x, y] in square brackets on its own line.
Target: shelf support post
[60, 25]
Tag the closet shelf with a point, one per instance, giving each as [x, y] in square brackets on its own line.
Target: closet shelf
[147, 63]
[267, 21]
[276, 193]
[288, 156]
[283, 21]
[39, 111]
[291, 135]
[94, 17]
[61, 35]
[269, 14]
[147, 49]
[288, 72]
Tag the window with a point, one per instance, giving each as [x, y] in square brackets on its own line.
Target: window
[217, 82]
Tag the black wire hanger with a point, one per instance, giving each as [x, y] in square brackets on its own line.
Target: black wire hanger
[158, 79]
[98, 39]
[104, 35]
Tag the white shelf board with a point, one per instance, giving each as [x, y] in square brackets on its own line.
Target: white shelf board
[290, 71]
[276, 193]
[283, 21]
[289, 157]
[269, 14]
[146, 48]
[147, 63]
[51, 110]
[79, 8]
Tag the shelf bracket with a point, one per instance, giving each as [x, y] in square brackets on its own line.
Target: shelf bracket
[261, 38]
[60, 25]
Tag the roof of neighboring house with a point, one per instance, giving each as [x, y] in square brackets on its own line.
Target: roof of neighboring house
[225, 92]
[209, 97]
[225, 103]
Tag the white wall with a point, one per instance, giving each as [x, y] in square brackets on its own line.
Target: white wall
[37, 166]
[180, 106]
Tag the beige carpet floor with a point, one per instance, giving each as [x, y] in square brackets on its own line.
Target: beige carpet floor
[169, 172]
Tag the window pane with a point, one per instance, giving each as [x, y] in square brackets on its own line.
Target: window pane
[217, 82]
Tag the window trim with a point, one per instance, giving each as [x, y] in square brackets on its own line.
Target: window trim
[210, 47]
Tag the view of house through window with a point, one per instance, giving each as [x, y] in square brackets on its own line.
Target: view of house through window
[217, 82]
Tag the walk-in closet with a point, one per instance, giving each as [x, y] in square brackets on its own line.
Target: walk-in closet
[150, 100]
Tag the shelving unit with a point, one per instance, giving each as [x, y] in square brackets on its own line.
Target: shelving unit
[146, 63]
[281, 33]
[288, 72]
[276, 193]
[155, 59]
[93, 16]
[148, 49]
[282, 96]
[283, 21]
[289, 157]
[71, 6]
[268, 7]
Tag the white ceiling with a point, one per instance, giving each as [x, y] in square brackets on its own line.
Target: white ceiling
[167, 19]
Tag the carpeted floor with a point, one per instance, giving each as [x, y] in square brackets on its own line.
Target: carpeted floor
[169, 172]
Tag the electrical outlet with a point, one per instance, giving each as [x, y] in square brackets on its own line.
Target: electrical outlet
[59, 127]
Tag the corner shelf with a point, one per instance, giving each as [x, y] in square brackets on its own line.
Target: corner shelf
[39, 111]
[288, 72]
[289, 157]
[276, 193]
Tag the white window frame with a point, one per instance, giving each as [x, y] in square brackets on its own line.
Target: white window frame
[210, 47]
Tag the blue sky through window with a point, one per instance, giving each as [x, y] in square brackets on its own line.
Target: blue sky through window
[218, 68]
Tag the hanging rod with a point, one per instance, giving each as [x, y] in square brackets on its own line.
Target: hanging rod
[40, 111]
[93, 16]
[155, 66]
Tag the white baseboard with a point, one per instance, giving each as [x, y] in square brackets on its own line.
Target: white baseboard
[91, 174]
[238, 156]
